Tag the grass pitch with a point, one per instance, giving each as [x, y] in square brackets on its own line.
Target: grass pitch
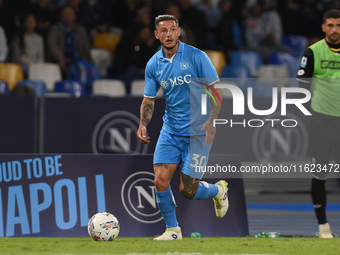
[146, 246]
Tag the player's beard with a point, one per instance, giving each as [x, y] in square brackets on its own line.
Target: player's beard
[169, 48]
[334, 41]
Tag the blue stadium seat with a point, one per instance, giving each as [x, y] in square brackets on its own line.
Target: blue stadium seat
[4, 89]
[239, 75]
[234, 71]
[251, 59]
[70, 87]
[262, 89]
[84, 72]
[292, 62]
[38, 86]
[279, 58]
[297, 43]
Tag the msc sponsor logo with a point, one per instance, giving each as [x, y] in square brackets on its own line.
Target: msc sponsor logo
[180, 80]
[139, 198]
[116, 133]
[176, 81]
[330, 64]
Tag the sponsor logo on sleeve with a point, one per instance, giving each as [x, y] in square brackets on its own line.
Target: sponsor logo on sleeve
[303, 62]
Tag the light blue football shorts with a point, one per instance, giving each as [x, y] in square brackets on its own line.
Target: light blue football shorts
[188, 152]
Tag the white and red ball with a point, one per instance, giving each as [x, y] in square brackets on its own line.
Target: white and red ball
[103, 226]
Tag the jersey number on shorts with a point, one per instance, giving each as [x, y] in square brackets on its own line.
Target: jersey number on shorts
[198, 160]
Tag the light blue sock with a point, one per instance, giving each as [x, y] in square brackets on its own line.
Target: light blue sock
[205, 190]
[167, 206]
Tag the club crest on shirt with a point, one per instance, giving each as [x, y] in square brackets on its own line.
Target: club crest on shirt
[184, 66]
[303, 62]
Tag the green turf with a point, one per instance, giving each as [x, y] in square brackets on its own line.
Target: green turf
[246, 245]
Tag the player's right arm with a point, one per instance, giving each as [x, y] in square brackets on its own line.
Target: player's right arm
[146, 111]
[148, 103]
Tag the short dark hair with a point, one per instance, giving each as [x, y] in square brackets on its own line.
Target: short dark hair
[164, 17]
[331, 14]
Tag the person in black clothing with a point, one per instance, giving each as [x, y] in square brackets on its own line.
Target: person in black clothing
[11, 12]
[45, 17]
[134, 50]
[310, 14]
[230, 31]
[90, 11]
[195, 20]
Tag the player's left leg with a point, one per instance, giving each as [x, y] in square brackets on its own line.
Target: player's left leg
[322, 141]
[192, 187]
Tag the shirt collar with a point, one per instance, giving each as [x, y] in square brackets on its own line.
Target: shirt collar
[180, 49]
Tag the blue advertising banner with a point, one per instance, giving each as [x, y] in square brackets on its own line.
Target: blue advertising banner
[55, 195]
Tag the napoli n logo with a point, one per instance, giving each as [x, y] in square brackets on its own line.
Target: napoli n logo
[116, 133]
[184, 66]
[275, 142]
[139, 198]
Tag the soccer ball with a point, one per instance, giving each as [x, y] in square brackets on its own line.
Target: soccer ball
[103, 226]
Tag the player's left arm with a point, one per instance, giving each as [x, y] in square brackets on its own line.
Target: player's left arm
[215, 110]
[208, 72]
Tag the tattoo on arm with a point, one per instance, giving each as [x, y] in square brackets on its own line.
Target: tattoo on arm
[146, 111]
[165, 165]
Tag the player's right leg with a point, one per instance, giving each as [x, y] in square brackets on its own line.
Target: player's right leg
[166, 160]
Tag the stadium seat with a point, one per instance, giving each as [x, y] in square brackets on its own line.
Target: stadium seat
[238, 75]
[85, 72]
[47, 72]
[218, 59]
[70, 87]
[38, 86]
[279, 58]
[11, 73]
[107, 41]
[58, 95]
[234, 71]
[137, 89]
[292, 62]
[262, 89]
[102, 59]
[112, 88]
[4, 89]
[297, 43]
[274, 74]
[251, 59]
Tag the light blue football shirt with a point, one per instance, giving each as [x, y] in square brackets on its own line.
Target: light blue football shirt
[179, 78]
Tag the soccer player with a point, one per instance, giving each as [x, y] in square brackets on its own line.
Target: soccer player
[320, 66]
[186, 136]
